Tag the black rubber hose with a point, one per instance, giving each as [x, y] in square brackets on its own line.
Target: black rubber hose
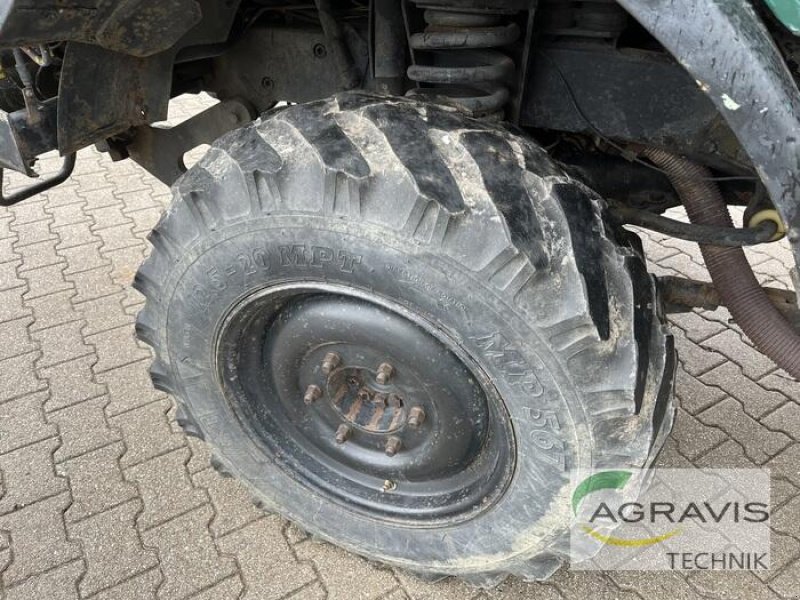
[738, 288]
[730, 237]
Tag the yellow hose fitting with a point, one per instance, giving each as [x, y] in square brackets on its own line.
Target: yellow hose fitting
[769, 214]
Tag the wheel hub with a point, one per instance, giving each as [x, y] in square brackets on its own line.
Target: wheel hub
[364, 404]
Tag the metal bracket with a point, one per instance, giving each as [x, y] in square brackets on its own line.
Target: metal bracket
[160, 150]
[63, 174]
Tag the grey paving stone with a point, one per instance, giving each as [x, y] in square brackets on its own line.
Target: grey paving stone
[165, 488]
[104, 313]
[96, 482]
[7, 252]
[227, 589]
[11, 306]
[22, 422]
[38, 538]
[14, 335]
[68, 214]
[83, 258]
[338, 571]
[787, 464]
[313, 591]
[53, 309]
[453, 589]
[729, 344]
[758, 441]
[787, 582]
[671, 585]
[59, 584]
[786, 419]
[29, 211]
[139, 587]
[35, 256]
[45, 281]
[109, 216]
[232, 501]
[9, 279]
[112, 548]
[589, 584]
[116, 347]
[188, 557]
[693, 437]
[268, 566]
[71, 382]
[78, 234]
[83, 428]
[34, 232]
[61, 343]
[129, 387]
[94, 283]
[29, 475]
[147, 433]
[19, 376]
[755, 399]
[734, 585]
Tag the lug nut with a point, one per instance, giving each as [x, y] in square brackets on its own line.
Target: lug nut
[342, 434]
[330, 362]
[385, 371]
[313, 392]
[416, 416]
[392, 446]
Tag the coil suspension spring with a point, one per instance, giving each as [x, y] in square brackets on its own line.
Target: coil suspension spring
[461, 60]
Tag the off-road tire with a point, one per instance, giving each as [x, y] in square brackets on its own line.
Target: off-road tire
[457, 220]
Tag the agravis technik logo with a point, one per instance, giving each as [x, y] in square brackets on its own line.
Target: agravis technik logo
[671, 519]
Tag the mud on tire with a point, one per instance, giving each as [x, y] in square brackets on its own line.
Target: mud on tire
[473, 231]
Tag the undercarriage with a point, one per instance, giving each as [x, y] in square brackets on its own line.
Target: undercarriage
[418, 218]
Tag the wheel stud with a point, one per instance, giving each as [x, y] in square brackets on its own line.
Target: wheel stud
[392, 446]
[330, 362]
[389, 485]
[385, 371]
[416, 416]
[342, 434]
[313, 392]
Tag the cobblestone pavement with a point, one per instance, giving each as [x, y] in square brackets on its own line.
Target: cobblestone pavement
[102, 496]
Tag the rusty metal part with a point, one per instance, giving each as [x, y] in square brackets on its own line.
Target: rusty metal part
[160, 150]
[330, 362]
[416, 416]
[343, 433]
[681, 295]
[393, 445]
[313, 393]
[385, 372]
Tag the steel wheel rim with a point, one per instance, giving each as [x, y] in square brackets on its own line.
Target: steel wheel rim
[306, 384]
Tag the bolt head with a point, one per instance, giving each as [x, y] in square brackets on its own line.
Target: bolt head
[330, 362]
[392, 446]
[313, 393]
[385, 372]
[416, 416]
[342, 433]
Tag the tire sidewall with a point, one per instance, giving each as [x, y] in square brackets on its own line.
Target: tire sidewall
[545, 411]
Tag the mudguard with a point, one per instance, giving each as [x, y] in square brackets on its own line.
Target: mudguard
[726, 47]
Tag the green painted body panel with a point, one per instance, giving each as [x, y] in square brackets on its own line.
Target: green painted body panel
[788, 11]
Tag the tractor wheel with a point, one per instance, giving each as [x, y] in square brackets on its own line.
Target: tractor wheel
[401, 328]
